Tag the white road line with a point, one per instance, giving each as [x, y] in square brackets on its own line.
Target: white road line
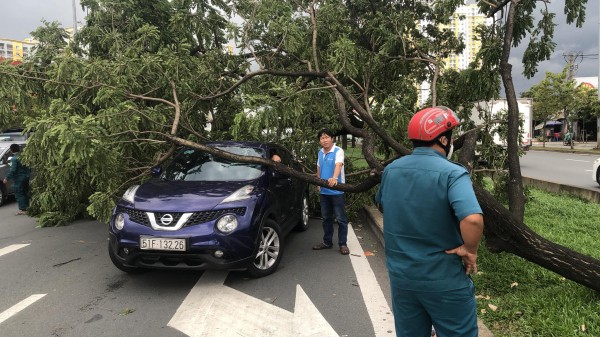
[12, 248]
[378, 308]
[8, 313]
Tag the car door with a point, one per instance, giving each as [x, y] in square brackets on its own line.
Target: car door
[283, 189]
[4, 168]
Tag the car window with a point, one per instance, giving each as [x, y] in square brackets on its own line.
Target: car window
[195, 165]
[7, 154]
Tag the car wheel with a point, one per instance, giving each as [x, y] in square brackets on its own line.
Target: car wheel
[270, 251]
[2, 195]
[119, 264]
[303, 223]
[598, 175]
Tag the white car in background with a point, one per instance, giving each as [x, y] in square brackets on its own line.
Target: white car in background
[596, 171]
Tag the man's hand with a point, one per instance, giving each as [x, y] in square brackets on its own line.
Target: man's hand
[332, 182]
[4, 180]
[469, 259]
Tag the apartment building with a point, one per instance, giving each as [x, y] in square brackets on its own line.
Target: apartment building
[463, 22]
[16, 50]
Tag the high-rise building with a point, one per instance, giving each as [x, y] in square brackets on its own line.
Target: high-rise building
[463, 22]
[16, 50]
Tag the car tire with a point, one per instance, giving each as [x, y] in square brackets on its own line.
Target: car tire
[2, 194]
[598, 175]
[120, 266]
[269, 252]
[303, 222]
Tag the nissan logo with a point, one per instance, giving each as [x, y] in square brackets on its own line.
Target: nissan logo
[166, 219]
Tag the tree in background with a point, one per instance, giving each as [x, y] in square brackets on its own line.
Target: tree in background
[586, 106]
[551, 96]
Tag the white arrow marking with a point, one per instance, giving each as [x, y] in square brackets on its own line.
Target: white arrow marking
[377, 307]
[212, 309]
[8, 313]
[12, 248]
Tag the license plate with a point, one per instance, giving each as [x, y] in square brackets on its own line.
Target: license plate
[154, 243]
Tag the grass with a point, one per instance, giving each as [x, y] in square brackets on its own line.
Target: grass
[530, 300]
[355, 158]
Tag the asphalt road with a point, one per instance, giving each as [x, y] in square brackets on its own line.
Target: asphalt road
[60, 282]
[558, 167]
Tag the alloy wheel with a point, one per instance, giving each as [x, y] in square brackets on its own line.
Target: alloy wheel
[268, 251]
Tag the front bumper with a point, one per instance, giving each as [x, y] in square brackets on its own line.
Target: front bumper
[202, 241]
[194, 259]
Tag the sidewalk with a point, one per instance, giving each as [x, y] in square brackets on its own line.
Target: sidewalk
[559, 146]
[375, 220]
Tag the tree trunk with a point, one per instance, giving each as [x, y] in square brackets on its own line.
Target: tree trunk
[505, 233]
[516, 196]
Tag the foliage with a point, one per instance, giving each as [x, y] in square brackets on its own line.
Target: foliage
[98, 107]
[105, 107]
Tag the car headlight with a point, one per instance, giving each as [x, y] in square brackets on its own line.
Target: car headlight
[227, 223]
[241, 194]
[129, 195]
[120, 221]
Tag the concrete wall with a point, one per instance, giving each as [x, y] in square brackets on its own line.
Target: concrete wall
[583, 193]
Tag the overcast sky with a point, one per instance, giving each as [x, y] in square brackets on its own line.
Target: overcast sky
[20, 17]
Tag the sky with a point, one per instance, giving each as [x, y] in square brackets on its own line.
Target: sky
[20, 17]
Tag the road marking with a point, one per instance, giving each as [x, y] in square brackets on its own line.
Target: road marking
[378, 308]
[12, 248]
[8, 313]
[579, 160]
[213, 309]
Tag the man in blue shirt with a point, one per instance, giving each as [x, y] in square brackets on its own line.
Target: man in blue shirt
[432, 228]
[330, 167]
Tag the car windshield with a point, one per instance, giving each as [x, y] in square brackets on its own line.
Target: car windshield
[195, 165]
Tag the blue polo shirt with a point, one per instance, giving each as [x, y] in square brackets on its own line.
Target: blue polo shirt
[424, 197]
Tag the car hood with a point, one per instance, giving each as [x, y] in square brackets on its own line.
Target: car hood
[184, 196]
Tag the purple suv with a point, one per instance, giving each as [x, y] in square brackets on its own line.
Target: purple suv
[201, 211]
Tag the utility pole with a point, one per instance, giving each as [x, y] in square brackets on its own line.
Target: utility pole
[74, 17]
[570, 58]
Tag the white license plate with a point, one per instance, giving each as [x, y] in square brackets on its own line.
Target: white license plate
[154, 243]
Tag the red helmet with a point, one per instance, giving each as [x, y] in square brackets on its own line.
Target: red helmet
[428, 124]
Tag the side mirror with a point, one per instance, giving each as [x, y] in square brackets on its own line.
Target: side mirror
[155, 171]
[9, 161]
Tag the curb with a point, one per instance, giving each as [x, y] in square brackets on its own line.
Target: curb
[374, 219]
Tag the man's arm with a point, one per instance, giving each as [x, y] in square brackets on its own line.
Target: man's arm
[336, 174]
[12, 170]
[471, 230]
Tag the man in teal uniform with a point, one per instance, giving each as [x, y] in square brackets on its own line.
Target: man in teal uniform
[432, 228]
[19, 174]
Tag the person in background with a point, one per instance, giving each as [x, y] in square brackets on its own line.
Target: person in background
[432, 228]
[330, 167]
[275, 157]
[19, 174]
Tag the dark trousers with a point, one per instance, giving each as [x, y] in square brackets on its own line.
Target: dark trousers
[334, 205]
[21, 189]
[453, 313]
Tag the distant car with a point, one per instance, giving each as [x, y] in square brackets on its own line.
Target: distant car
[596, 171]
[205, 212]
[11, 135]
[6, 190]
